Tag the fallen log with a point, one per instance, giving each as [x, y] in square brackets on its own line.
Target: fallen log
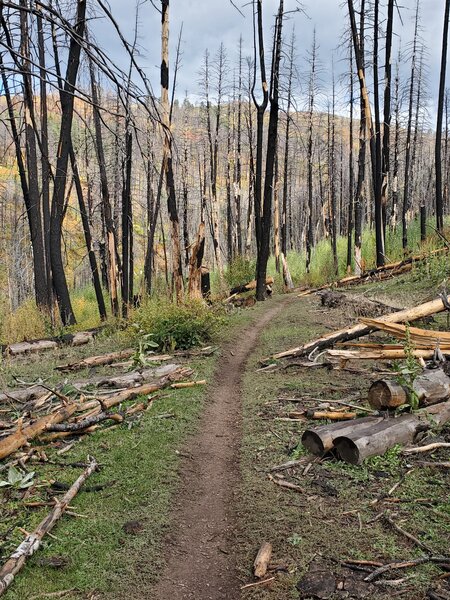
[22, 396]
[32, 346]
[379, 273]
[359, 330]
[422, 338]
[248, 287]
[354, 447]
[33, 541]
[430, 387]
[22, 436]
[96, 361]
[386, 354]
[320, 440]
[262, 560]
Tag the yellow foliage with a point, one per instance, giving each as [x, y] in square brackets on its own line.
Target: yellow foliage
[25, 323]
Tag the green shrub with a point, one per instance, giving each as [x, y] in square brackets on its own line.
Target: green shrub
[240, 271]
[173, 326]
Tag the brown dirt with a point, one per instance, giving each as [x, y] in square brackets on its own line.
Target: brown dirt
[199, 552]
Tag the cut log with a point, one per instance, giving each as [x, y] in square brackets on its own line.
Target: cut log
[356, 331]
[82, 338]
[431, 387]
[320, 440]
[33, 541]
[354, 447]
[332, 416]
[96, 361]
[30, 347]
[262, 560]
[20, 437]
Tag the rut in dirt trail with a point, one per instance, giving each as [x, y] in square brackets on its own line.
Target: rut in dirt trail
[199, 552]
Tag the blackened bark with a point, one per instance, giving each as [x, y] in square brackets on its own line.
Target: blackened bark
[64, 145]
[438, 148]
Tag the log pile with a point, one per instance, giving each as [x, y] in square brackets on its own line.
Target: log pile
[367, 326]
[356, 440]
[34, 346]
[80, 414]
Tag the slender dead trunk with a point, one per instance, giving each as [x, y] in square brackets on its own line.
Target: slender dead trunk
[64, 145]
[440, 110]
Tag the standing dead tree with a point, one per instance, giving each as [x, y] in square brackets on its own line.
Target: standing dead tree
[440, 112]
[263, 214]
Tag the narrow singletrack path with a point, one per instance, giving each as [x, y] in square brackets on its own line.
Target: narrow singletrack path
[199, 552]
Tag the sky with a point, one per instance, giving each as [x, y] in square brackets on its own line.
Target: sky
[207, 23]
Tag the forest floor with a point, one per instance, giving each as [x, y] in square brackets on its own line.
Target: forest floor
[198, 488]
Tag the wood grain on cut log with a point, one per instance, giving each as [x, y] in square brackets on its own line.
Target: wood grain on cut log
[355, 446]
[430, 387]
[262, 560]
[33, 541]
[355, 331]
[320, 440]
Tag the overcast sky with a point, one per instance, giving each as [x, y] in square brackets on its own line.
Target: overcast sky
[207, 23]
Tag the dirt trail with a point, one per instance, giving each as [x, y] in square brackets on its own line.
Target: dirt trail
[199, 553]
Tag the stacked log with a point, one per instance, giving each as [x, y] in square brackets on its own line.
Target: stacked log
[431, 387]
[359, 439]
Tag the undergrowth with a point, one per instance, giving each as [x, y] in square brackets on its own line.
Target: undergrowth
[173, 326]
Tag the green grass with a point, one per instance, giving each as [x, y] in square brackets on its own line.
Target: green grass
[139, 463]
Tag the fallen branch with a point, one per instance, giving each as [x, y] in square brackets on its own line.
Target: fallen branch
[262, 582]
[33, 541]
[286, 484]
[332, 416]
[404, 565]
[262, 560]
[408, 535]
[356, 331]
[22, 436]
[427, 448]
[94, 420]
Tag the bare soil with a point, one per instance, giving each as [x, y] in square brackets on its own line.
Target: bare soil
[199, 551]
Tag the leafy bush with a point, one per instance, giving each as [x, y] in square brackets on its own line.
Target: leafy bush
[240, 271]
[171, 326]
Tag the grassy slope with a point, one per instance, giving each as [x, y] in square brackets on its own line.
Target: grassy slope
[318, 522]
[139, 468]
